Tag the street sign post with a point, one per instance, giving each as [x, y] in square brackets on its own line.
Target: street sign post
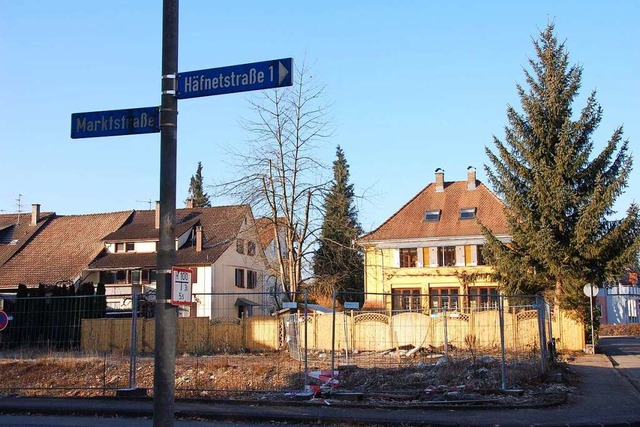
[164, 119]
[235, 78]
[130, 121]
[180, 286]
[591, 291]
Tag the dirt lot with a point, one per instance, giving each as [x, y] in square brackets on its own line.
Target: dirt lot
[276, 376]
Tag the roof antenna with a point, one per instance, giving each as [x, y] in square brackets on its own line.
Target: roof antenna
[146, 201]
[19, 200]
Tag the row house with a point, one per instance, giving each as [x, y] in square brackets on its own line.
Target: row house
[220, 245]
[428, 255]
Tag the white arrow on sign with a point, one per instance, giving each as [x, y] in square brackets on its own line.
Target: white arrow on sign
[282, 72]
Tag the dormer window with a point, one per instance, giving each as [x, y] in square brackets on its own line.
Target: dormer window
[467, 213]
[130, 246]
[432, 215]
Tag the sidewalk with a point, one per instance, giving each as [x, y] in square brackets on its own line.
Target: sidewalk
[603, 398]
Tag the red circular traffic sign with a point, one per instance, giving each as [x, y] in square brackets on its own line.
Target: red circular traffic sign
[4, 320]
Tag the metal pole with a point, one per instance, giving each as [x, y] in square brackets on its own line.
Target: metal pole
[133, 348]
[446, 334]
[333, 336]
[539, 302]
[306, 335]
[503, 369]
[593, 335]
[165, 328]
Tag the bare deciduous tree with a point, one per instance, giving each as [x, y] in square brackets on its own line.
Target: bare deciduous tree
[278, 172]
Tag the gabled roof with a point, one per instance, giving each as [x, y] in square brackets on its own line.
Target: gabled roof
[61, 249]
[409, 221]
[15, 232]
[220, 226]
[265, 229]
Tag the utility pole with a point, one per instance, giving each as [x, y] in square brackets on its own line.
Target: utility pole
[166, 313]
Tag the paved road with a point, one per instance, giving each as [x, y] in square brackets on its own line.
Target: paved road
[624, 352]
[73, 421]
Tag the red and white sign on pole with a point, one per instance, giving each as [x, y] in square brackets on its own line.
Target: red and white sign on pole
[4, 320]
[180, 286]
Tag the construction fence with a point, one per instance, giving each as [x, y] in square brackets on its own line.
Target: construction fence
[260, 342]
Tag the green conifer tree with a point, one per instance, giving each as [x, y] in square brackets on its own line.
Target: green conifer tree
[337, 261]
[196, 190]
[559, 198]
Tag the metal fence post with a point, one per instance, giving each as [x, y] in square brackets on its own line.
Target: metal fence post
[133, 353]
[446, 335]
[502, 344]
[333, 335]
[306, 337]
[542, 332]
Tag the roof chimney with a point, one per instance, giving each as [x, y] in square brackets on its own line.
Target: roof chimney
[471, 178]
[35, 214]
[199, 238]
[157, 214]
[189, 203]
[439, 180]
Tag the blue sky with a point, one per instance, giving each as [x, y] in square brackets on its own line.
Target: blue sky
[413, 86]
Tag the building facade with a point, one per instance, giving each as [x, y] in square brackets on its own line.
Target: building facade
[428, 255]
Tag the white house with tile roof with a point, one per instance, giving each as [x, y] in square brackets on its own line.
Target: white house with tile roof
[220, 245]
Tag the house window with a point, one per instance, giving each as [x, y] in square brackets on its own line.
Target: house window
[135, 277]
[443, 299]
[432, 215]
[121, 276]
[120, 247]
[408, 257]
[107, 277]
[479, 255]
[406, 300]
[240, 246]
[446, 256]
[484, 298]
[130, 246]
[251, 248]
[467, 213]
[473, 255]
[252, 279]
[239, 278]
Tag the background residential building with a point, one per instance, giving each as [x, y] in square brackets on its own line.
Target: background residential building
[433, 246]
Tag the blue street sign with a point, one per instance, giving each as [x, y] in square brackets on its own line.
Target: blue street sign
[235, 78]
[115, 122]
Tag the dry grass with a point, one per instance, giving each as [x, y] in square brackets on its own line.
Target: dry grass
[253, 375]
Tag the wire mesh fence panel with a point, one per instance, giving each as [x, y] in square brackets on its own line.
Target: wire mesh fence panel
[259, 342]
[425, 333]
[248, 345]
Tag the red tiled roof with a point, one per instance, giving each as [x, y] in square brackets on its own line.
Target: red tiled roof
[61, 249]
[409, 222]
[220, 226]
[265, 229]
[18, 230]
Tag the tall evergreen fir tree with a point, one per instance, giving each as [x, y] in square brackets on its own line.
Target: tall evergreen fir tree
[196, 190]
[337, 261]
[559, 198]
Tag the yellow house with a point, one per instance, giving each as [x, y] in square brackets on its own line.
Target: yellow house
[428, 255]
